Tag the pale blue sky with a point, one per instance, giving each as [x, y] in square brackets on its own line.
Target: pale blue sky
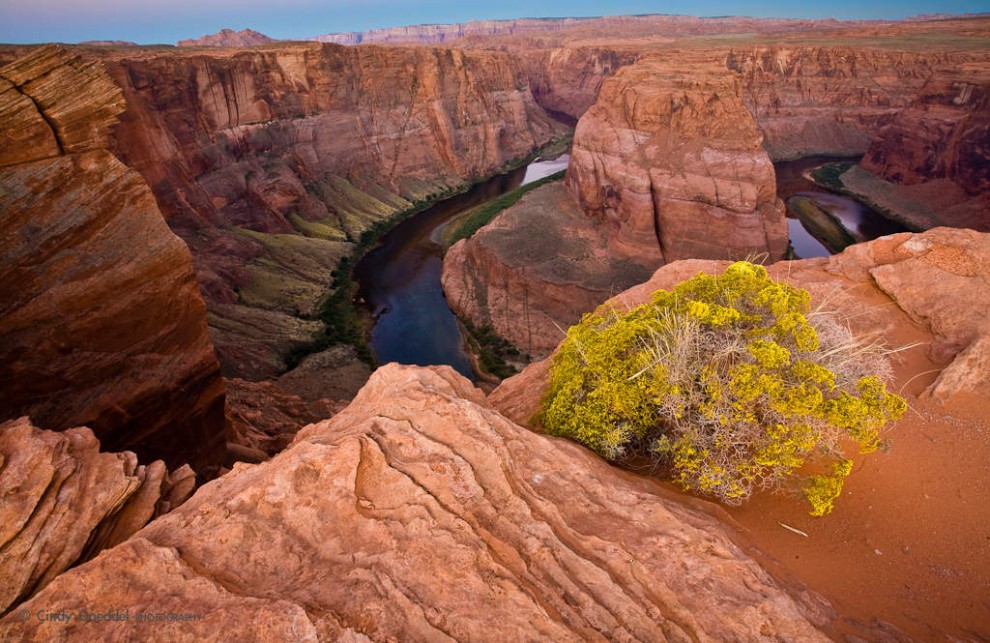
[166, 21]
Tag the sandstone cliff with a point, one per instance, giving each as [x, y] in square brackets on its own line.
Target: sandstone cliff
[567, 79]
[557, 29]
[504, 277]
[271, 163]
[419, 513]
[228, 38]
[64, 502]
[828, 100]
[938, 147]
[670, 160]
[102, 321]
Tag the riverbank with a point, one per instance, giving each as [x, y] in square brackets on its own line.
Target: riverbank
[344, 317]
[890, 200]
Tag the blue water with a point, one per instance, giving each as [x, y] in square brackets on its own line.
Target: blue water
[400, 279]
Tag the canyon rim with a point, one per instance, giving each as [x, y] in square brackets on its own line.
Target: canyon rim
[195, 429]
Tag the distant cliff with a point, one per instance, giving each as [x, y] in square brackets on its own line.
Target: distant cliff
[228, 38]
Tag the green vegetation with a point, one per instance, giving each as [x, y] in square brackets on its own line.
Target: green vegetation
[828, 175]
[492, 350]
[481, 216]
[728, 383]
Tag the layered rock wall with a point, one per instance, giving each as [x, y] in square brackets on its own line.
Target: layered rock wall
[672, 163]
[828, 100]
[943, 134]
[102, 321]
[567, 79]
[271, 163]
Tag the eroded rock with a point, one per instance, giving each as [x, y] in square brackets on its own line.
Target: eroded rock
[419, 513]
[64, 501]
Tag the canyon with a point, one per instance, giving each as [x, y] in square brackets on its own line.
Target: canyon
[673, 161]
[272, 163]
[172, 233]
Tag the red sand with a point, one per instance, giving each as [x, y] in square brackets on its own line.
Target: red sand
[908, 542]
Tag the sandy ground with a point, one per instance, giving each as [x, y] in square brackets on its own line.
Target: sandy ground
[908, 543]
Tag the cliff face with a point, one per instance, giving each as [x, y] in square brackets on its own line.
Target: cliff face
[827, 101]
[567, 79]
[943, 134]
[448, 521]
[102, 321]
[271, 163]
[671, 161]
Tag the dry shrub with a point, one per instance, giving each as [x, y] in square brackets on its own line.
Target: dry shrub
[726, 384]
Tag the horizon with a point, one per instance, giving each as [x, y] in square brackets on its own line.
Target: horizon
[159, 22]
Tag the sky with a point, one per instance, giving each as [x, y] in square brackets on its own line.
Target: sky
[167, 21]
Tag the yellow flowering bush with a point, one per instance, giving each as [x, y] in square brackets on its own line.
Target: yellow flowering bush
[726, 384]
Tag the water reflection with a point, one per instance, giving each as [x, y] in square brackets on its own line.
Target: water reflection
[862, 222]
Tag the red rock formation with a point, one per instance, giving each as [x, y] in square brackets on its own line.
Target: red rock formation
[943, 135]
[271, 163]
[671, 160]
[418, 513]
[103, 324]
[228, 38]
[64, 502]
[503, 276]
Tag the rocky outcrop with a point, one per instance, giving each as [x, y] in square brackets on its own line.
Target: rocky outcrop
[102, 321]
[505, 278]
[670, 160]
[419, 513]
[228, 38]
[925, 296]
[271, 163]
[941, 139]
[64, 502]
[881, 288]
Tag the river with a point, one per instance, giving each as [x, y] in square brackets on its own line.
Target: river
[400, 279]
[862, 222]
